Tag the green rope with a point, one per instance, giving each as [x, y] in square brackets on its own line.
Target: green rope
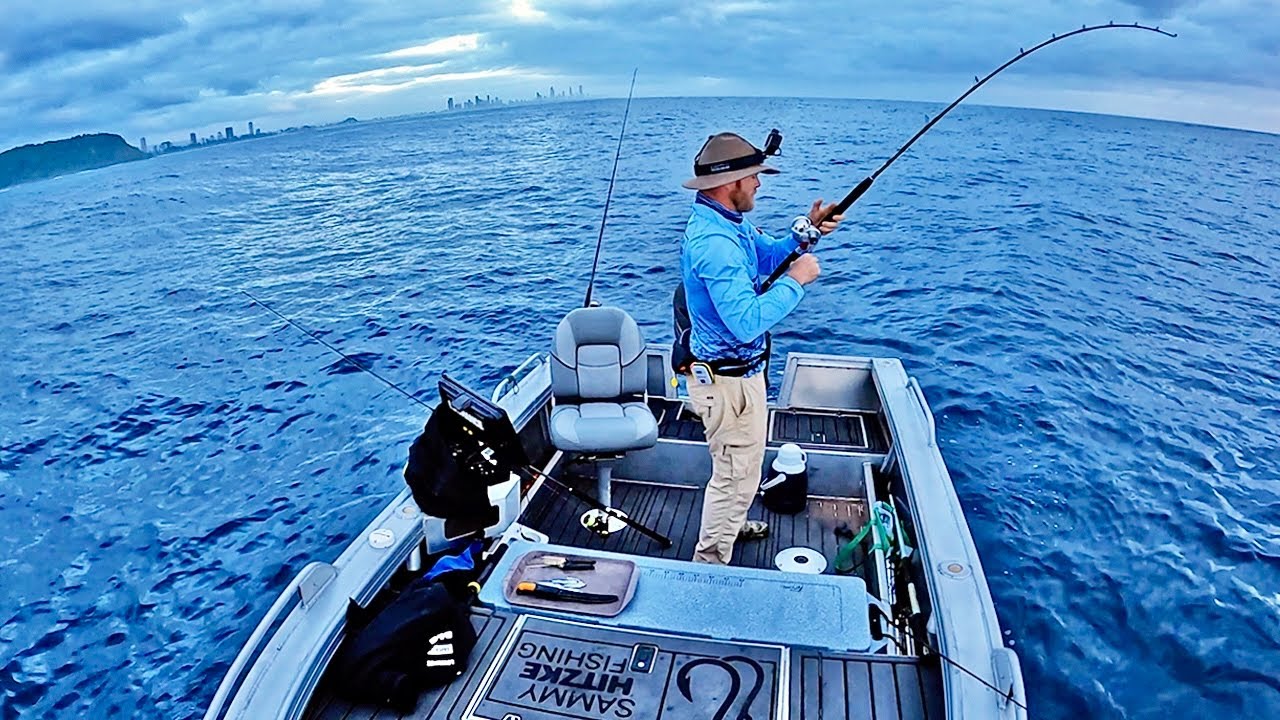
[879, 541]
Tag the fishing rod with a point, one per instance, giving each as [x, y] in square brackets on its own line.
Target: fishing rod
[809, 230]
[608, 197]
[529, 470]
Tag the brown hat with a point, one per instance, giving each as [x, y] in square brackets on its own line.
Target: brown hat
[726, 158]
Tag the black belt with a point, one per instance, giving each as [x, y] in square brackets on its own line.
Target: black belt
[733, 367]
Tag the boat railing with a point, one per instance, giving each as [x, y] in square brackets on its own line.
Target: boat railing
[928, 414]
[304, 587]
[511, 381]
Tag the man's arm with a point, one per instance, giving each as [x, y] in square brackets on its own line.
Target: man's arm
[725, 270]
[772, 251]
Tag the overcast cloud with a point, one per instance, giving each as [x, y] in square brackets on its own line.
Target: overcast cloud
[162, 69]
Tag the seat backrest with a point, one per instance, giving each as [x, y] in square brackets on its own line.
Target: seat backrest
[598, 354]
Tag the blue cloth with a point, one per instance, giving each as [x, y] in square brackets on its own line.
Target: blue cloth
[723, 260]
[464, 561]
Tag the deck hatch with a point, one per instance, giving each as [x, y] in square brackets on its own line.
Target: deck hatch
[844, 430]
[558, 670]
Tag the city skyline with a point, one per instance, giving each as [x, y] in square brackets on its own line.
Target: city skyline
[228, 134]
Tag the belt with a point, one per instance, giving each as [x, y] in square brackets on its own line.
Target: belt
[736, 368]
[733, 367]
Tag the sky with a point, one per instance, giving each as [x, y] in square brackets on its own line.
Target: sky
[160, 69]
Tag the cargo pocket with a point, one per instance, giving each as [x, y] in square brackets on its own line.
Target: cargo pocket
[707, 401]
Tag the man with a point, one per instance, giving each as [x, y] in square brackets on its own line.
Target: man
[724, 260]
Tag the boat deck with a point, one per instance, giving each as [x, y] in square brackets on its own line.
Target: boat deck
[822, 686]
[676, 511]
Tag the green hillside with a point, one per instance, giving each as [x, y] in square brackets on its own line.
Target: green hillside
[59, 157]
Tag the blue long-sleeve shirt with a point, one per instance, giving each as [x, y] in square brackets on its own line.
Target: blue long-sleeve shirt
[723, 260]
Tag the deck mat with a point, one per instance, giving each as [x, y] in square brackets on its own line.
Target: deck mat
[676, 512]
[563, 671]
[858, 431]
[830, 686]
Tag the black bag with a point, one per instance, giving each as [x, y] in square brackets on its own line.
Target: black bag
[681, 356]
[440, 487]
[420, 641]
[467, 446]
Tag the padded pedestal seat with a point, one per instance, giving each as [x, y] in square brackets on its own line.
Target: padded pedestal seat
[603, 427]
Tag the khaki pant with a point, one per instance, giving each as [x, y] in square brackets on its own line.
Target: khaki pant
[734, 412]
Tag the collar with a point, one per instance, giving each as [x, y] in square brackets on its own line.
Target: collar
[730, 215]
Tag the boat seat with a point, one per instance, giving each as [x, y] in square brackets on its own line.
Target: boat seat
[598, 381]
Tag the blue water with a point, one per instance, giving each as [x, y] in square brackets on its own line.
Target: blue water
[1090, 304]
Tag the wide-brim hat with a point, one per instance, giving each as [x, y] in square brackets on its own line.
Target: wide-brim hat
[726, 158]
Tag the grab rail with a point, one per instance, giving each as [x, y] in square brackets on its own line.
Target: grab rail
[928, 414]
[251, 646]
[514, 377]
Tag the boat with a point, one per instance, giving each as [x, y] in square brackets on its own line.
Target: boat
[869, 602]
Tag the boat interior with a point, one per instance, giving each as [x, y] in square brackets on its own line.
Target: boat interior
[582, 478]
[832, 639]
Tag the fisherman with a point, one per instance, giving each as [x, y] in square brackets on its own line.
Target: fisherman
[723, 261]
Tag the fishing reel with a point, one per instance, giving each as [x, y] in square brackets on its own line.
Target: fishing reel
[808, 233]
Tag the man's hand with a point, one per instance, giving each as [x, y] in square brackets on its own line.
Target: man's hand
[818, 211]
[805, 269]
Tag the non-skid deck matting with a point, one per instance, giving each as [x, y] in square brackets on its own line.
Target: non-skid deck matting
[823, 686]
[676, 511]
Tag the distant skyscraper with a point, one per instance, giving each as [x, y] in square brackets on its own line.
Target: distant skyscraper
[553, 91]
[142, 144]
[450, 103]
[193, 138]
[251, 127]
[579, 91]
[230, 133]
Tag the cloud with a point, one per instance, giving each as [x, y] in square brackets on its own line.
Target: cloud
[28, 45]
[141, 67]
[443, 46]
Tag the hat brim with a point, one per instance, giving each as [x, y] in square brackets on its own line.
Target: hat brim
[706, 182]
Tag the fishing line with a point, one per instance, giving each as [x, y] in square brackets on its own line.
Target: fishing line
[612, 177]
[345, 356]
[865, 185]
[1007, 695]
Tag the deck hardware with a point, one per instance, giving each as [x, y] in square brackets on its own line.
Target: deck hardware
[643, 657]
[382, 538]
[313, 580]
[954, 569]
[409, 510]
[414, 563]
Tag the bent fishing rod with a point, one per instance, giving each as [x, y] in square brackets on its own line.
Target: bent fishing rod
[529, 471]
[809, 230]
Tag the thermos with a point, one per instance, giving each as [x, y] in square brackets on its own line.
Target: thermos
[786, 490]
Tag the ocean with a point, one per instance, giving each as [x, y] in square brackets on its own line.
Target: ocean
[1090, 304]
